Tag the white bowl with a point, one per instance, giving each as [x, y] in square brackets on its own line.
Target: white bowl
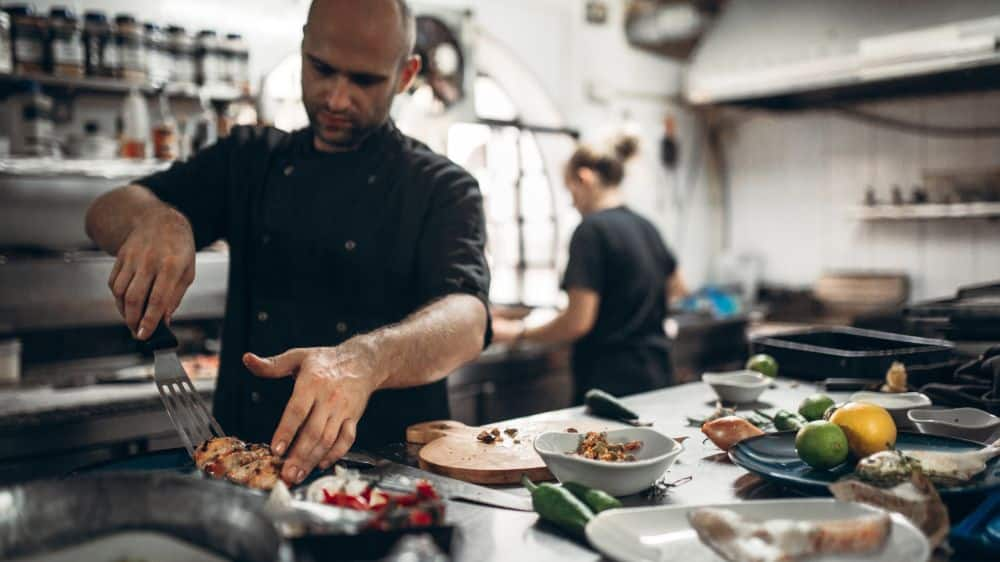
[737, 387]
[964, 423]
[657, 453]
[896, 403]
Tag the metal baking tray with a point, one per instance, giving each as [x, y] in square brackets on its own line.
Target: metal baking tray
[845, 352]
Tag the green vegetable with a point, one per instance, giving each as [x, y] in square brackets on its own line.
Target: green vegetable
[596, 500]
[759, 421]
[785, 420]
[559, 506]
[602, 404]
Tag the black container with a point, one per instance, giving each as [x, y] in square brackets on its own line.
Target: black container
[844, 352]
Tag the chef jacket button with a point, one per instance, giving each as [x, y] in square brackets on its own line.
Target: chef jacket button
[341, 327]
[255, 397]
[289, 169]
[350, 245]
[371, 180]
[262, 316]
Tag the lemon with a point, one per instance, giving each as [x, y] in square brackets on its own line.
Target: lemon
[764, 364]
[812, 408]
[821, 444]
[869, 428]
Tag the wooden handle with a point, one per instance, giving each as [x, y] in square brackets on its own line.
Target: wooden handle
[425, 432]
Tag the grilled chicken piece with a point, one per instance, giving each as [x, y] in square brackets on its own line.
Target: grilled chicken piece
[222, 464]
[214, 448]
[739, 540]
[261, 473]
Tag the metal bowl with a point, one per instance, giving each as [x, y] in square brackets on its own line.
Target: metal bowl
[52, 515]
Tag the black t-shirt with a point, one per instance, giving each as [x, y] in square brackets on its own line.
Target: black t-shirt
[323, 247]
[621, 256]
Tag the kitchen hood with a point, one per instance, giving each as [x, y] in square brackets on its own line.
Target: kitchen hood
[786, 53]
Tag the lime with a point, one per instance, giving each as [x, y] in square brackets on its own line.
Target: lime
[764, 364]
[813, 407]
[821, 444]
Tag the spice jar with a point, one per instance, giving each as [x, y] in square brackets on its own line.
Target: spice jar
[157, 67]
[209, 55]
[100, 51]
[239, 62]
[30, 125]
[181, 48]
[129, 38]
[66, 43]
[30, 34]
[6, 45]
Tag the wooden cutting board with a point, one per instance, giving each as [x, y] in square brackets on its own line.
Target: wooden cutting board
[451, 448]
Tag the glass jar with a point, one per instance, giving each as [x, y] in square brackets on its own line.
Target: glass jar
[66, 53]
[6, 45]
[30, 35]
[181, 49]
[100, 51]
[239, 63]
[157, 63]
[209, 55]
[129, 38]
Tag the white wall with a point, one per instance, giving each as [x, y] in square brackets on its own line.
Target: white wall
[796, 176]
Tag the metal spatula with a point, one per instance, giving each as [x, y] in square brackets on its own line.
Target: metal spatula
[191, 418]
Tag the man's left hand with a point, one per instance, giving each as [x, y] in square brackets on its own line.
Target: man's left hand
[332, 388]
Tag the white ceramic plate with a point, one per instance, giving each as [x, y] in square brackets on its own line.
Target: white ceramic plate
[897, 404]
[964, 423]
[663, 534]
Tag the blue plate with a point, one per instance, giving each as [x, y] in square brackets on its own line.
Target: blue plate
[772, 456]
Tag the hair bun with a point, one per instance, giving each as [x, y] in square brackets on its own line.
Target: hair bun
[625, 147]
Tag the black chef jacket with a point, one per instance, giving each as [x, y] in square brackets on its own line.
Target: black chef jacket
[324, 246]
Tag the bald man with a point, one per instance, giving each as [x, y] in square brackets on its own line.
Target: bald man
[357, 279]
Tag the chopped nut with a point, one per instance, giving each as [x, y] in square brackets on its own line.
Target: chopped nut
[486, 437]
[510, 431]
[571, 430]
[517, 441]
[495, 432]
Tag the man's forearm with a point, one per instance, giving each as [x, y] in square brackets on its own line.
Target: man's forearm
[113, 216]
[428, 344]
[560, 329]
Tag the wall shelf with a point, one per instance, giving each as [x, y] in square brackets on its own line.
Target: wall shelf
[928, 211]
[97, 85]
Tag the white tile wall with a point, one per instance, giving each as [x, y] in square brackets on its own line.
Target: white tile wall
[795, 177]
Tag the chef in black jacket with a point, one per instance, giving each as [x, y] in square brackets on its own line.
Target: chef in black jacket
[357, 278]
[619, 279]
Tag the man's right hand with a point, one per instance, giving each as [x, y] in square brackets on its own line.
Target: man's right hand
[155, 266]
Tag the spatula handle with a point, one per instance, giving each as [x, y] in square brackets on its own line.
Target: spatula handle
[162, 338]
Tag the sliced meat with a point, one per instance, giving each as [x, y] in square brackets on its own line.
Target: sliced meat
[222, 464]
[214, 448]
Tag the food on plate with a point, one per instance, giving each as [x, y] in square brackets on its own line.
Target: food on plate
[604, 405]
[915, 498]
[730, 430]
[764, 364]
[346, 489]
[895, 378]
[821, 444]
[596, 500]
[738, 539]
[559, 506]
[869, 428]
[595, 446]
[813, 407]
[948, 468]
[255, 466]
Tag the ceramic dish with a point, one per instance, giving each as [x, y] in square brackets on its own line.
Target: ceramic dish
[656, 534]
[897, 404]
[772, 456]
[737, 387]
[655, 456]
[964, 423]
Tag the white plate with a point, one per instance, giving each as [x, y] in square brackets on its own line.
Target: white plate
[897, 404]
[663, 534]
[738, 387]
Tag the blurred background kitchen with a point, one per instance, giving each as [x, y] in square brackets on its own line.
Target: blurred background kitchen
[809, 162]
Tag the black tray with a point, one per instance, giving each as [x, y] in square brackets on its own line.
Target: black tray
[844, 352]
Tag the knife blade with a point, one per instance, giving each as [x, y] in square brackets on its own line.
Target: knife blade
[402, 477]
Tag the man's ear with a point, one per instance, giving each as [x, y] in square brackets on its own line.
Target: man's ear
[411, 68]
[587, 176]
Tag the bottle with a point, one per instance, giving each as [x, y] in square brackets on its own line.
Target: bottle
[135, 126]
[130, 39]
[100, 53]
[30, 36]
[31, 130]
[165, 145]
[66, 52]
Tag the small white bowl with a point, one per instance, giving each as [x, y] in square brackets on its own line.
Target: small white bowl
[658, 452]
[737, 387]
[964, 423]
[896, 403]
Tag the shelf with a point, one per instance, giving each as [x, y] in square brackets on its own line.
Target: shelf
[928, 211]
[96, 85]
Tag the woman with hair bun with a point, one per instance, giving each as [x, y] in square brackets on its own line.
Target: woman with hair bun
[619, 279]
